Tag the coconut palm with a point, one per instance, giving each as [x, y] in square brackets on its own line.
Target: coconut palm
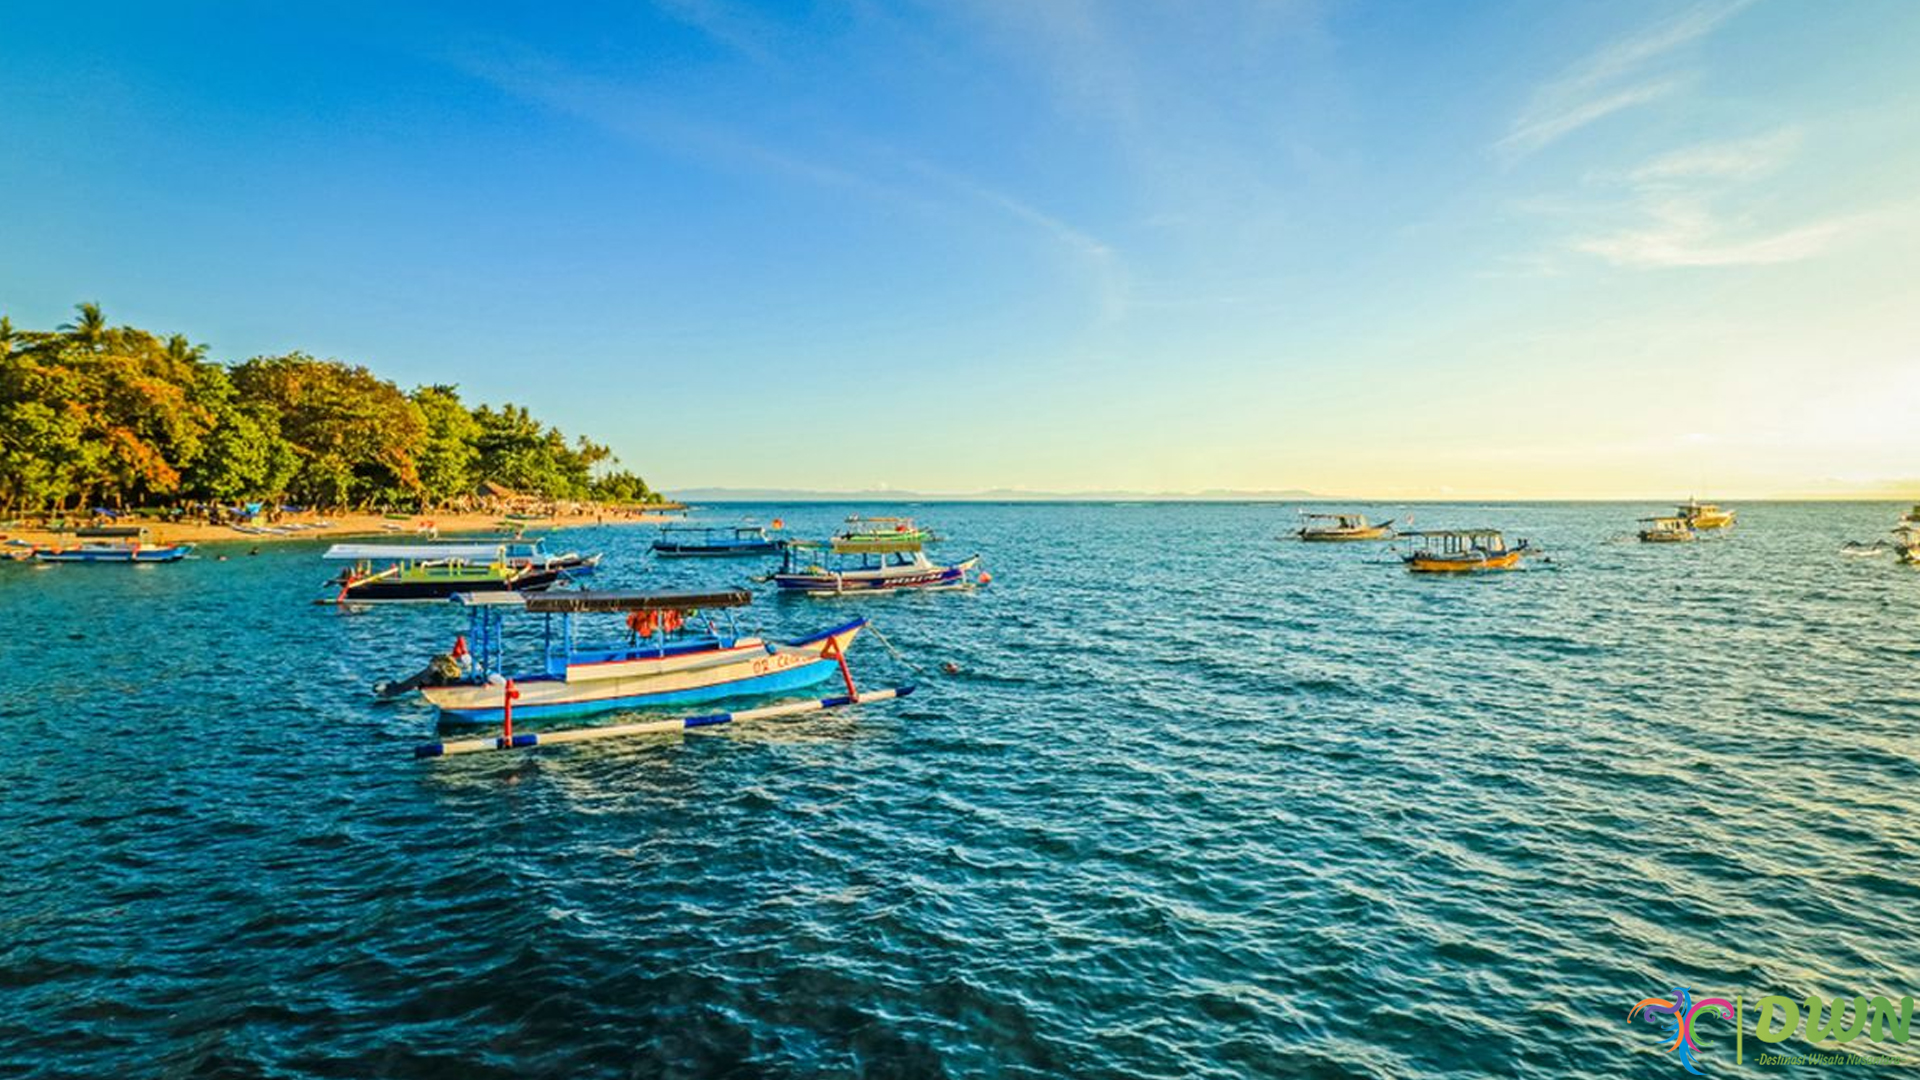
[90, 328]
[181, 351]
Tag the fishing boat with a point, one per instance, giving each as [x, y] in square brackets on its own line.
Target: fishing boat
[1337, 526]
[841, 565]
[113, 544]
[1666, 530]
[1906, 540]
[389, 573]
[1699, 515]
[883, 530]
[673, 648]
[1462, 551]
[693, 541]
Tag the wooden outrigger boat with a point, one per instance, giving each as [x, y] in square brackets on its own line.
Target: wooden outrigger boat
[1337, 526]
[841, 565]
[676, 652]
[1906, 539]
[882, 531]
[687, 541]
[1462, 551]
[113, 544]
[1666, 530]
[1699, 515]
[421, 572]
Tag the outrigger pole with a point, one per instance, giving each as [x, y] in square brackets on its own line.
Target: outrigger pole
[649, 727]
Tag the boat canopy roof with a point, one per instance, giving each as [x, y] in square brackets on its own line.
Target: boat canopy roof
[1473, 534]
[413, 552]
[676, 600]
[1669, 520]
[1335, 516]
[880, 544]
[712, 530]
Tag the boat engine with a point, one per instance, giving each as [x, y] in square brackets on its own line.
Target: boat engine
[442, 670]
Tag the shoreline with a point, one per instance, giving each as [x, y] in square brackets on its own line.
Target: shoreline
[311, 526]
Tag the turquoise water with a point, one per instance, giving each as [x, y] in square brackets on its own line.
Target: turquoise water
[1198, 803]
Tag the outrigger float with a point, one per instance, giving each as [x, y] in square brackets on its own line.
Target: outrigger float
[1463, 551]
[681, 648]
[113, 544]
[421, 572]
[840, 565]
[690, 541]
[1320, 528]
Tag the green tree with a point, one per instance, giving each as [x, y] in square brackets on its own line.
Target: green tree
[357, 436]
[447, 451]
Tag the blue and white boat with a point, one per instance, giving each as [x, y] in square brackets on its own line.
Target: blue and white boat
[690, 541]
[868, 564]
[679, 648]
[113, 544]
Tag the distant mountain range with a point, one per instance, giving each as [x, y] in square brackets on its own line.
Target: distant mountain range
[895, 495]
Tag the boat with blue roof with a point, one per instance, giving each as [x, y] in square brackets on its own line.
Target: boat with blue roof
[666, 649]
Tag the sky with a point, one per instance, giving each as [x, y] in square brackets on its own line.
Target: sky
[1601, 249]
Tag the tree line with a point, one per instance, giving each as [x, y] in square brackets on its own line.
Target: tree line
[97, 415]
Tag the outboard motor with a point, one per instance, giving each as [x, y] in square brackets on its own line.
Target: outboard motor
[442, 670]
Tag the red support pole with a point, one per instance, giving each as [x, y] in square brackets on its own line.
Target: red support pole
[833, 649]
[506, 707]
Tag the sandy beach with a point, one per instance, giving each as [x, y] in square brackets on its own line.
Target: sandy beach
[317, 526]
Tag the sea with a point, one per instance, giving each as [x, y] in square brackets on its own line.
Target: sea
[1176, 796]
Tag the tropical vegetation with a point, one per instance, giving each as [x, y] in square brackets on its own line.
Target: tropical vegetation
[99, 415]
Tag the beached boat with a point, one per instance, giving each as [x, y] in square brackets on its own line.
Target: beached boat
[882, 531]
[865, 565]
[1336, 527]
[1699, 515]
[1462, 551]
[389, 573]
[113, 544]
[1666, 530]
[715, 541]
[678, 648]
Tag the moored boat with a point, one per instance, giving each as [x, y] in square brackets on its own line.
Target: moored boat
[841, 565]
[1321, 528]
[1462, 551]
[390, 573]
[882, 530]
[1666, 530]
[680, 648]
[113, 544]
[1906, 540]
[679, 541]
[1699, 515]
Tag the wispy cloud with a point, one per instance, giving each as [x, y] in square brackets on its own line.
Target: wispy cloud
[1615, 78]
[1738, 159]
[882, 175]
[1683, 209]
[1686, 232]
[726, 24]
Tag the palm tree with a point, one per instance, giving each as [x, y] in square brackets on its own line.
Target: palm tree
[6, 336]
[181, 351]
[90, 329]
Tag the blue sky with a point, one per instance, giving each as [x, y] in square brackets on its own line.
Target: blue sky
[1502, 249]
